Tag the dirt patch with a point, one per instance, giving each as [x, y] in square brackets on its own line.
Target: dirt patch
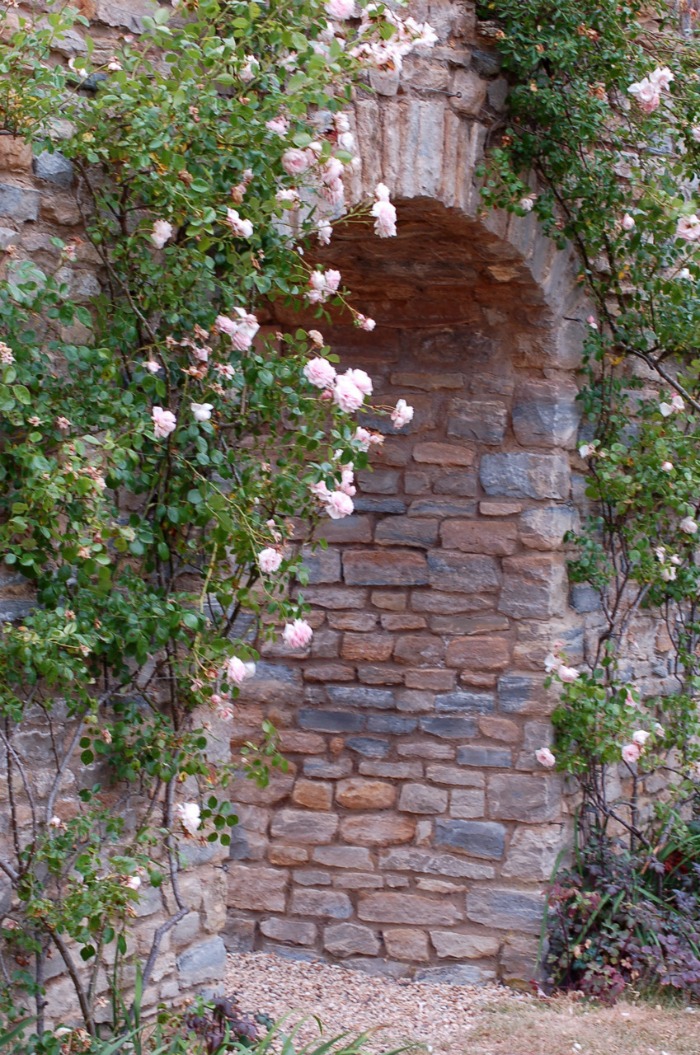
[453, 1020]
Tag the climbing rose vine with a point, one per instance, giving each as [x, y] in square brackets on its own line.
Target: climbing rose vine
[602, 145]
[162, 439]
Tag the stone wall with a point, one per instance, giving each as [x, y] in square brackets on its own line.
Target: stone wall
[414, 829]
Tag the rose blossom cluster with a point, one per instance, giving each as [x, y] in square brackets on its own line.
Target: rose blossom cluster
[554, 664]
[384, 53]
[647, 92]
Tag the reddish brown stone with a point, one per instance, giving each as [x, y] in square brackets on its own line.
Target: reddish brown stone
[439, 680]
[386, 568]
[405, 944]
[478, 536]
[349, 529]
[478, 681]
[373, 647]
[314, 794]
[377, 829]
[379, 675]
[303, 743]
[353, 620]
[359, 794]
[287, 855]
[443, 454]
[408, 908]
[256, 889]
[403, 621]
[322, 672]
[406, 531]
[419, 648]
[500, 729]
[389, 600]
[479, 653]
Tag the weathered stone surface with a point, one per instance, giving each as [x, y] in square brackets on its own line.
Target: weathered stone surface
[443, 454]
[544, 527]
[441, 507]
[449, 728]
[481, 420]
[320, 768]
[406, 531]
[375, 648]
[505, 909]
[314, 794]
[330, 721]
[289, 930]
[479, 653]
[359, 696]
[311, 877]
[440, 680]
[418, 649]
[368, 746]
[432, 862]
[450, 944]
[524, 797]
[533, 852]
[499, 729]
[359, 794]
[467, 804]
[386, 568]
[403, 621]
[464, 702]
[463, 482]
[406, 944]
[303, 827]
[456, 777]
[344, 857]
[460, 974]
[54, 168]
[394, 770]
[20, 204]
[478, 838]
[377, 829]
[257, 888]
[519, 964]
[525, 475]
[378, 481]
[279, 854]
[419, 798]
[205, 962]
[468, 92]
[454, 571]
[389, 907]
[331, 903]
[546, 414]
[15, 153]
[349, 939]
[478, 536]
[389, 723]
[520, 693]
[484, 756]
[534, 587]
[321, 566]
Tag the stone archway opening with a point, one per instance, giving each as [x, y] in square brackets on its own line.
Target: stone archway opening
[415, 830]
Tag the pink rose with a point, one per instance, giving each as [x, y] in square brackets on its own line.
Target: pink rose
[152, 366]
[545, 757]
[295, 161]
[279, 125]
[384, 218]
[402, 414]
[347, 395]
[688, 228]
[319, 372]
[567, 674]
[667, 467]
[647, 94]
[628, 222]
[162, 231]
[241, 330]
[364, 322]
[631, 753]
[640, 737]
[347, 481]
[340, 8]
[164, 422]
[237, 671]
[241, 228]
[269, 561]
[361, 380]
[688, 525]
[297, 634]
[339, 505]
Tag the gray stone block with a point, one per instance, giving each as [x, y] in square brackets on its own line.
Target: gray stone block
[484, 757]
[449, 728]
[544, 528]
[348, 939]
[583, 598]
[205, 962]
[465, 703]
[54, 168]
[454, 571]
[459, 974]
[517, 693]
[478, 838]
[358, 696]
[546, 414]
[387, 723]
[20, 204]
[515, 475]
[506, 909]
[525, 797]
[430, 862]
[368, 746]
[330, 721]
[483, 421]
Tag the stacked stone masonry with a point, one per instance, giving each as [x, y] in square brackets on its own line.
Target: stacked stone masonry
[413, 830]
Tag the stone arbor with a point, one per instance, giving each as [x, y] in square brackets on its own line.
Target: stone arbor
[415, 828]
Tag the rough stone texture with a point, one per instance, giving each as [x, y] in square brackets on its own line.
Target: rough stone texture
[423, 688]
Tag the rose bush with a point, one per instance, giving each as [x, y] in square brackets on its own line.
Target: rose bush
[159, 439]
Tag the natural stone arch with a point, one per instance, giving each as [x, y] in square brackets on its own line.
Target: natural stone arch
[415, 830]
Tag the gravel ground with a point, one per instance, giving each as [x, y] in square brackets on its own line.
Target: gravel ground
[454, 1020]
[439, 1016]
